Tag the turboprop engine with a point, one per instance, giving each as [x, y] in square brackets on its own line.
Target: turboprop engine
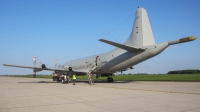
[39, 67]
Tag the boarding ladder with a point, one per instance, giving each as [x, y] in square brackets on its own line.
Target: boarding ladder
[90, 75]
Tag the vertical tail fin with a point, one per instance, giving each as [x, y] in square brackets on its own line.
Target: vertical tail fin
[141, 34]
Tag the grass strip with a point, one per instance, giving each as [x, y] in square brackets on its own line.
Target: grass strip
[163, 77]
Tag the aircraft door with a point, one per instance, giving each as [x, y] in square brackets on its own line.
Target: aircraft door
[96, 59]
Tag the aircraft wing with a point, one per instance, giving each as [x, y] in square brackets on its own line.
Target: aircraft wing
[18, 66]
[122, 46]
[36, 67]
[50, 69]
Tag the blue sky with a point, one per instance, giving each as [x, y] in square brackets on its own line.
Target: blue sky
[70, 29]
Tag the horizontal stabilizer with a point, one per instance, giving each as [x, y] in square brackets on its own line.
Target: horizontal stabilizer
[122, 46]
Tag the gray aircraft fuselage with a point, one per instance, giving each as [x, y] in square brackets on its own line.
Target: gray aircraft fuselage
[117, 59]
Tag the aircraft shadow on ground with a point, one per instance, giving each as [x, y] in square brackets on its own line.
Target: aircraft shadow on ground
[38, 82]
[79, 81]
[102, 81]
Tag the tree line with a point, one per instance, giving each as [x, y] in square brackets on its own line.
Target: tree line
[184, 72]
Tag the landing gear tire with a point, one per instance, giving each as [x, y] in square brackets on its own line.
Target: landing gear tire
[57, 79]
[63, 81]
[67, 81]
[54, 78]
[109, 79]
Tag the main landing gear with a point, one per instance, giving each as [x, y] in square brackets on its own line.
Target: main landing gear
[109, 79]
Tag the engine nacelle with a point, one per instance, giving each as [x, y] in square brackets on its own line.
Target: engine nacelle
[70, 68]
[43, 66]
[37, 70]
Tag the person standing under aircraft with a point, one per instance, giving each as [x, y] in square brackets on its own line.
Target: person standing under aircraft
[74, 78]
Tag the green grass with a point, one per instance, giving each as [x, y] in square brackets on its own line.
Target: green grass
[171, 77]
[166, 77]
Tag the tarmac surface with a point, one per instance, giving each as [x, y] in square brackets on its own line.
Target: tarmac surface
[44, 95]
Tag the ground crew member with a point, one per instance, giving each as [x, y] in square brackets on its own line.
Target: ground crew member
[70, 73]
[74, 78]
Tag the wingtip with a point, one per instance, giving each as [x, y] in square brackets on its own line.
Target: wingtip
[101, 40]
[192, 38]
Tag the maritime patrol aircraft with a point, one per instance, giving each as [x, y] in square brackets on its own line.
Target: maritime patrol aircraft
[139, 47]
